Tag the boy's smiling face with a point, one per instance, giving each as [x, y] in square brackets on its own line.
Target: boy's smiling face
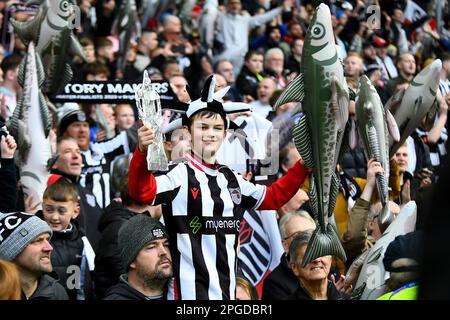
[207, 134]
[58, 214]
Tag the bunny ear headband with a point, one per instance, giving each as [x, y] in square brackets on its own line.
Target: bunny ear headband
[209, 101]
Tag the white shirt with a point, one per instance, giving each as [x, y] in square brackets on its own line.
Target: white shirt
[388, 69]
[261, 109]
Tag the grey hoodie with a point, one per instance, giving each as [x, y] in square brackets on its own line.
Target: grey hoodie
[232, 32]
[48, 289]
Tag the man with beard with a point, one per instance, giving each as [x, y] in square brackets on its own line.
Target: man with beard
[24, 240]
[144, 249]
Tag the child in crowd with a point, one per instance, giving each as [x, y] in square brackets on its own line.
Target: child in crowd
[72, 257]
[203, 201]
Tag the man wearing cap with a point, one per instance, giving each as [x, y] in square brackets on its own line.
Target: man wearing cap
[402, 260]
[369, 53]
[24, 240]
[388, 69]
[373, 72]
[97, 156]
[145, 255]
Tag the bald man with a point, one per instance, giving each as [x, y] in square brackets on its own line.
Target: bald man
[353, 66]
[406, 66]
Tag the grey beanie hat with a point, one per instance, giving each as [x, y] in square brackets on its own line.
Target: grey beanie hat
[136, 233]
[17, 230]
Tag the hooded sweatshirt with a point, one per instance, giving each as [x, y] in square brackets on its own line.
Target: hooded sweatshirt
[124, 291]
[108, 265]
[48, 289]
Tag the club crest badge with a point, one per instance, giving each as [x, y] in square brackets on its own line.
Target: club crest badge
[235, 195]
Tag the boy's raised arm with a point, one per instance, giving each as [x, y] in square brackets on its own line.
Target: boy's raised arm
[141, 182]
[281, 191]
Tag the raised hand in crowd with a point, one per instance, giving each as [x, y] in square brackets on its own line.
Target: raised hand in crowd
[375, 77]
[233, 116]
[167, 50]
[388, 20]
[406, 192]
[8, 177]
[425, 176]
[248, 98]
[101, 135]
[427, 28]
[373, 168]
[401, 86]
[434, 134]
[32, 203]
[340, 284]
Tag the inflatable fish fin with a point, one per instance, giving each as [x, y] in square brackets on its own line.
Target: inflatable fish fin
[294, 92]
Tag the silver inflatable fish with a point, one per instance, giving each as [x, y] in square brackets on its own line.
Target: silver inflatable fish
[318, 135]
[413, 104]
[372, 278]
[30, 125]
[371, 118]
[51, 31]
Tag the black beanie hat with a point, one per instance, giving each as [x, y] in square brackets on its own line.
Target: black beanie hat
[69, 118]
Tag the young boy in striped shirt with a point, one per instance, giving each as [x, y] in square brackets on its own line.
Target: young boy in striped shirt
[203, 202]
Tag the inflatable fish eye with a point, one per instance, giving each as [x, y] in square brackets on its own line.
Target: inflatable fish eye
[318, 31]
[61, 8]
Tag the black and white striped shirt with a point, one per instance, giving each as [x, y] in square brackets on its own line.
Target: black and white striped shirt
[95, 175]
[202, 208]
[444, 87]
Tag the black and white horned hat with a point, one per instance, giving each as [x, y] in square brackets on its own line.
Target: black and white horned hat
[209, 101]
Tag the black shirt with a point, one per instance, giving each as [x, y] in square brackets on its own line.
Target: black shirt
[281, 282]
[332, 293]
[124, 291]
